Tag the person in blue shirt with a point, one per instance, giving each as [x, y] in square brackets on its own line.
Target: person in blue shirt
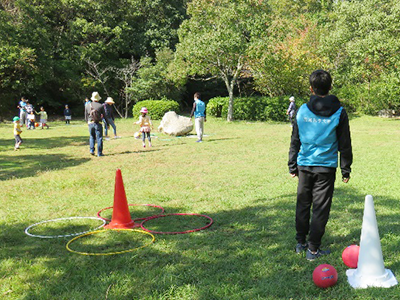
[22, 108]
[320, 130]
[199, 112]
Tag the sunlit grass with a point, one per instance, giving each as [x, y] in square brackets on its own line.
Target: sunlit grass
[238, 176]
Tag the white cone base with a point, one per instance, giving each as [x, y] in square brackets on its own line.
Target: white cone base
[358, 281]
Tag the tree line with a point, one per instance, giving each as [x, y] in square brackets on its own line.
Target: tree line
[57, 52]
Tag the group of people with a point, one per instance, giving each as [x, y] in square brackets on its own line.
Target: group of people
[320, 130]
[96, 114]
[27, 115]
[27, 118]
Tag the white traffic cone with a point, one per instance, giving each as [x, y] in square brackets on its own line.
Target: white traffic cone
[370, 271]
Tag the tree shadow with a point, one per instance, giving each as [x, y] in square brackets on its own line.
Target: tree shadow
[132, 152]
[22, 166]
[46, 143]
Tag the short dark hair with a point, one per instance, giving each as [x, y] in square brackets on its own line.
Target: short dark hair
[197, 95]
[321, 82]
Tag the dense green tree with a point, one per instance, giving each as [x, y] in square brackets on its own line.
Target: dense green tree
[45, 44]
[152, 80]
[362, 43]
[284, 56]
[213, 42]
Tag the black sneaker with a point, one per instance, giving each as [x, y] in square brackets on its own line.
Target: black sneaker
[301, 247]
[311, 256]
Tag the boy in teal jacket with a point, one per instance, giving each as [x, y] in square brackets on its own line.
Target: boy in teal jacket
[320, 130]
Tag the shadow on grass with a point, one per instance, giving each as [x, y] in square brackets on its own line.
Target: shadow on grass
[219, 139]
[132, 152]
[22, 166]
[248, 253]
[46, 143]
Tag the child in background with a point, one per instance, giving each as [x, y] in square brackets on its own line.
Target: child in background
[67, 115]
[291, 110]
[31, 120]
[17, 133]
[29, 109]
[145, 126]
[43, 117]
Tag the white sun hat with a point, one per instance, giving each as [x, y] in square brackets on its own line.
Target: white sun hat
[109, 100]
[95, 96]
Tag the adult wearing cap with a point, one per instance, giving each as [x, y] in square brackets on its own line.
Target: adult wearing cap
[291, 110]
[94, 113]
[109, 116]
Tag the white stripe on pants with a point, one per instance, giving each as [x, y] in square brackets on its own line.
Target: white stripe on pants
[199, 123]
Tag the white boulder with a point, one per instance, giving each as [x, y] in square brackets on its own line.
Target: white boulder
[174, 124]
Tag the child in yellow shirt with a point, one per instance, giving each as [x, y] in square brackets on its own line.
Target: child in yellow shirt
[145, 125]
[17, 133]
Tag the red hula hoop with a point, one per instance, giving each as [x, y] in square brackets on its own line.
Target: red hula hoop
[176, 232]
[138, 219]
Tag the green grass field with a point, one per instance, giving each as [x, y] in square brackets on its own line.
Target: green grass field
[238, 176]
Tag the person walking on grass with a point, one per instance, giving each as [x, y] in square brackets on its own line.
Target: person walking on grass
[67, 115]
[291, 110]
[199, 112]
[43, 117]
[94, 113]
[145, 126]
[320, 130]
[17, 133]
[109, 117]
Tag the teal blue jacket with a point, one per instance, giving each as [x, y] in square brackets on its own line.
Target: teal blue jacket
[321, 130]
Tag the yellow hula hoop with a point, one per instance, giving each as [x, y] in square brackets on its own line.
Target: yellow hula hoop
[109, 253]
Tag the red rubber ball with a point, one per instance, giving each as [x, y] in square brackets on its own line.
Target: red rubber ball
[350, 256]
[325, 276]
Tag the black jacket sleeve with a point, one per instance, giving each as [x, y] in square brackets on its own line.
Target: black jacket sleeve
[344, 144]
[193, 109]
[294, 148]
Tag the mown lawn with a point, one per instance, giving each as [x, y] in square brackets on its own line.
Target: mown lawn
[238, 176]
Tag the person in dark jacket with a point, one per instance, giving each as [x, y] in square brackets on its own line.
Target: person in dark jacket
[94, 113]
[67, 115]
[109, 117]
[320, 130]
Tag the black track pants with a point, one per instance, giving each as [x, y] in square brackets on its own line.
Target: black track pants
[316, 190]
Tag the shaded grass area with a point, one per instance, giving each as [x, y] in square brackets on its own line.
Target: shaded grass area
[238, 176]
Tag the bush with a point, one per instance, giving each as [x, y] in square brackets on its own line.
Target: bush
[252, 108]
[215, 106]
[156, 108]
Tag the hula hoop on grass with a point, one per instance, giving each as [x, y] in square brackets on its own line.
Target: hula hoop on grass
[63, 235]
[109, 253]
[176, 232]
[138, 219]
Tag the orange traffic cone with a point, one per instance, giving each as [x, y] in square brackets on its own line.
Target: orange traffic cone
[121, 218]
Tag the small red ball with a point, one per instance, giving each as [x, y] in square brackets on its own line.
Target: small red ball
[325, 276]
[350, 256]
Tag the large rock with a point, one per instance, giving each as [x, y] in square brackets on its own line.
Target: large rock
[173, 124]
[387, 113]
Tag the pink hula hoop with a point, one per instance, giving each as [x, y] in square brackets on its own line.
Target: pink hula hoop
[176, 232]
[138, 219]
